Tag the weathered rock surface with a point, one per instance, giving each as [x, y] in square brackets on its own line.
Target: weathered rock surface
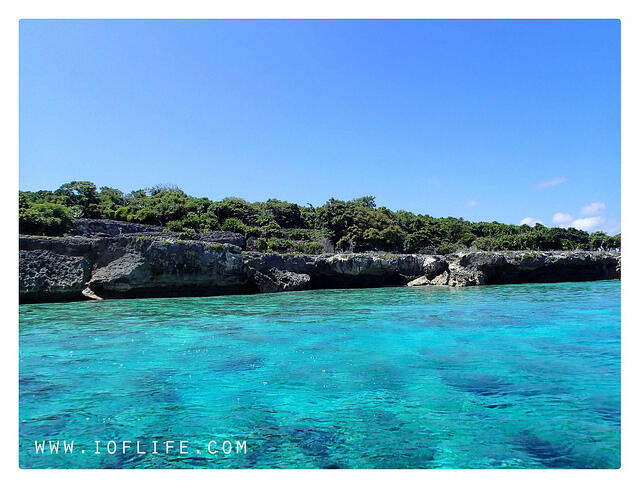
[148, 268]
[223, 237]
[93, 228]
[349, 270]
[127, 266]
[112, 228]
[276, 280]
[483, 268]
[159, 265]
[420, 281]
[46, 276]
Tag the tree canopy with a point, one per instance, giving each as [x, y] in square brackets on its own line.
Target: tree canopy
[357, 225]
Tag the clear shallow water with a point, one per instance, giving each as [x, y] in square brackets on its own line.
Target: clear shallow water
[499, 376]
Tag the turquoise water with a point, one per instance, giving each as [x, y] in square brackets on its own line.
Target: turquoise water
[436, 377]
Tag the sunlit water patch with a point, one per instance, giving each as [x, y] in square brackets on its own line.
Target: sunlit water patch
[498, 376]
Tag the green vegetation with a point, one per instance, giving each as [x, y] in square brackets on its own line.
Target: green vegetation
[215, 247]
[143, 238]
[278, 226]
[48, 219]
[276, 244]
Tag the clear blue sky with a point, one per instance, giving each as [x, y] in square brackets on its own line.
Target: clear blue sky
[486, 120]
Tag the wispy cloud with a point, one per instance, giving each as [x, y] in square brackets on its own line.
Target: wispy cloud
[588, 223]
[471, 203]
[530, 221]
[552, 182]
[593, 208]
[562, 219]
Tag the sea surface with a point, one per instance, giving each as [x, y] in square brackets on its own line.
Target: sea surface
[513, 376]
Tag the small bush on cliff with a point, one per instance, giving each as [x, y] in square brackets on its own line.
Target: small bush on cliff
[48, 219]
[187, 234]
[144, 238]
[174, 226]
[234, 225]
[307, 247]
[274, 244]
[300, 234]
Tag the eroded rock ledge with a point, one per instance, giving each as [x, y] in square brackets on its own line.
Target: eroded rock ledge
[155, 264]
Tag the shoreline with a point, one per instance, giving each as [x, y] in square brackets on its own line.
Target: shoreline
[74, 268]
[438, 287]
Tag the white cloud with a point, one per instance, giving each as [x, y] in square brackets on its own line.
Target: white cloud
[552, 182]
[471, 203]
[588, 223]
[561, 219]
[592, 208]
[530, 221]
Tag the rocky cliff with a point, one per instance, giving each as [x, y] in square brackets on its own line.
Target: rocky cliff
[104, 263]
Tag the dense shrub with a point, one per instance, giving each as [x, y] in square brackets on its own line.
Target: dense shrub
[354, 225]
[275, 244]
[49, 219]
[234, 225]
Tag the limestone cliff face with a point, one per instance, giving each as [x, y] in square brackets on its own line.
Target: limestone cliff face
[48, 276]
[349, 270]
[109, 228]
[483, 268]
[159, 265]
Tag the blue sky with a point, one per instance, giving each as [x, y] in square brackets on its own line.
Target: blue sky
[486, 120]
